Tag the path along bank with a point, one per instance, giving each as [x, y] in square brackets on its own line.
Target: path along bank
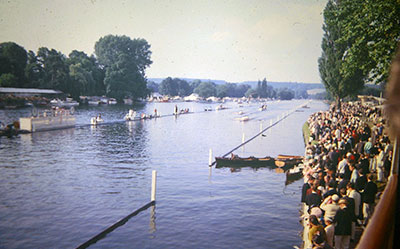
[347, 163]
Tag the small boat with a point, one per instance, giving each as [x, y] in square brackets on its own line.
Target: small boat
[236, 161]
[243, 119]
[263, 107]
[68, 102]
[220, 107]
[294, 174]
[96, 120]
[130, 116]
[286, 161]
[112, 101]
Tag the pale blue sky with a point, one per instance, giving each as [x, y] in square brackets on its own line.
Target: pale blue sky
[210, 39]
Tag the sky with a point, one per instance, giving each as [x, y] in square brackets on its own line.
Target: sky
[231, 40]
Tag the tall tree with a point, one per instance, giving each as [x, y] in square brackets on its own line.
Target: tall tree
[336, 82]
[13, 59]
[371, 31]
[34, 72]
[55, 69]
[206, 89]
[84, 75]
[125, 61]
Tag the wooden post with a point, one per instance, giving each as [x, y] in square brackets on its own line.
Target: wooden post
[210, 158]
[153, 185]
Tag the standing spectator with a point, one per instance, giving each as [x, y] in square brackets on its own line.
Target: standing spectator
[368, 199]
[330, 205]
[315, 228]
[330, 231]
[343, 226]
[305, 187]
[352, 193]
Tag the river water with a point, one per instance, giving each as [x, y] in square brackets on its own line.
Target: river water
[60, 188]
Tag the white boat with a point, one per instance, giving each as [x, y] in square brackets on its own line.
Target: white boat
[112, 101]
[243, 119]
[93, 102]
[54, 119]
[220, 107]
[96, 120]
[131, 115]
[68, 102]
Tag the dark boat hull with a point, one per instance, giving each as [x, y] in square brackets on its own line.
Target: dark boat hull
[244, 162]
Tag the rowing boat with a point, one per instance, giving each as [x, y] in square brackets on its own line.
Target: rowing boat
[237, 161]
[286, 161]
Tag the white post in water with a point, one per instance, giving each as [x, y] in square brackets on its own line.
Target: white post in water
[270, 122]
[210, 158]
[261, 127]
[243, 138]
[153, 185]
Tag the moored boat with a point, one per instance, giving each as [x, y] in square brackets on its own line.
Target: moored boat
[57, 118]
[286, 161]
[294, 174]
[236, 161]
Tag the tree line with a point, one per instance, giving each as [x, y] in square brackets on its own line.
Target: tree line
[179, 87]
[359, 42]
[117, 68]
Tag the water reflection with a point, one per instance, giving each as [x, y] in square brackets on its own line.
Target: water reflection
[153, 219]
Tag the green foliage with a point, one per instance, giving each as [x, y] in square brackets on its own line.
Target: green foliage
[262, 89]
[8, 80]
[330, 63]
[85, 75]
[13, 60]
[152, 86]
[125, 61]
[285, 94]
[33, 71]
[359, 42]
[55, 69]
[175, 87]
[206, 89]
[371, 31]
[251, 93]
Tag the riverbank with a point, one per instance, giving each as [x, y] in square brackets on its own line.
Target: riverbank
[342, 149]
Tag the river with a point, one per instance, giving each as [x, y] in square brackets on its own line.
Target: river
[60, 188]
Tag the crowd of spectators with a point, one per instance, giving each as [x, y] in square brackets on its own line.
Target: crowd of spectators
[347, 154]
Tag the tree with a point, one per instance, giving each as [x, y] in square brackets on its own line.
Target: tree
[206, 89]
[85, 75]
[125, 61]
[285, 94]
[152, 86]
[251, 93]
[34, 72]
[8, 80]
[262, 88]
[333, 50]
[371, 31]
[55, 69]
[13, 59]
